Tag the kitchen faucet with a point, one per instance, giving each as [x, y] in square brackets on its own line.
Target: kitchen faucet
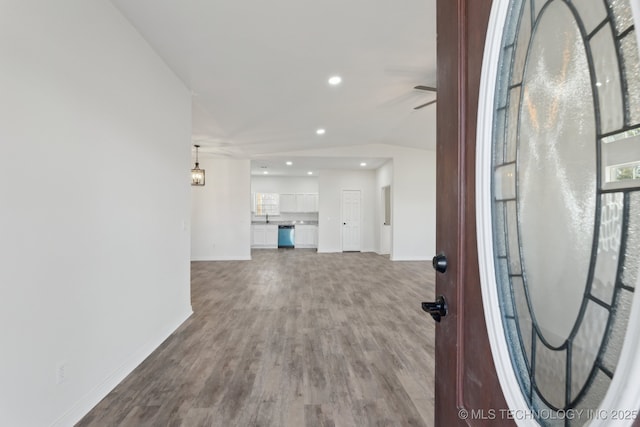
[267, 218]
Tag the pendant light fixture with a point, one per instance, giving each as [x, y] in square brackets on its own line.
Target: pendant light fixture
[197, 174]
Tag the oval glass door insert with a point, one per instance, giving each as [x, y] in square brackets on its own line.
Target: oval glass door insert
[564, 184]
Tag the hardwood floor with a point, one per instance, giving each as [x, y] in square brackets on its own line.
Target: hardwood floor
[291, 338]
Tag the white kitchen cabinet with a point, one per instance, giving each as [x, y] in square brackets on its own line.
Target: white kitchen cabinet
[264, 236]
[258, 235]
[288, 203]
[300, 202]
[306, 236]
[307, 202]
[272, 236]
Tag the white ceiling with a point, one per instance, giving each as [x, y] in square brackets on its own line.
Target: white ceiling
[258, 72]
[312, 166]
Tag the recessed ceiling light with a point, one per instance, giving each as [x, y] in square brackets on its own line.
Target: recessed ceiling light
[266, 172]
[335, 80]
[309, 173]
[320, 131]
[289, 163]
[363, 164]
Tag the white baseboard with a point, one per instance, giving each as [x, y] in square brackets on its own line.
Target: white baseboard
[222, 258]
[93, 397]
[417, 258]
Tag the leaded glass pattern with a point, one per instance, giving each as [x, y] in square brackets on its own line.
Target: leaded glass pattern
[631, 63]
[607, 257]
[566, 241]
[631, 270]
[607, 80]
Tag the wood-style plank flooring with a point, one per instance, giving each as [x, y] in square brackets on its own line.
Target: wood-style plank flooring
[291, 338]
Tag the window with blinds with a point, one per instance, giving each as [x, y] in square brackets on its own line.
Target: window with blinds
[266, 203]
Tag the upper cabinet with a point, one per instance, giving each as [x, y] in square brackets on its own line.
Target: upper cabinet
[288, 203]
[307, 202]
[300, 202]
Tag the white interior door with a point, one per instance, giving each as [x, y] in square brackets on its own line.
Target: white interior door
[385, 225]
[350, 220]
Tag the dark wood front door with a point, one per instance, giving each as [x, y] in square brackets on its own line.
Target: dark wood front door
[552, 113]
[467, 388]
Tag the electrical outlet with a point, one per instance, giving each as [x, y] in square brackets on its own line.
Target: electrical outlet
[61, 373]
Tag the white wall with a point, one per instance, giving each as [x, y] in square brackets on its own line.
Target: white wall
[331, 184]
[284, 184]
[94, 246]
[221, 211]
[413, 213]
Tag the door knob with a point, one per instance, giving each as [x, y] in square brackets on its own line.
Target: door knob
[440, 263]
[437, 309]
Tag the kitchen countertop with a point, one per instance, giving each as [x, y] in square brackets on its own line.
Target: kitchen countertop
[285, 222]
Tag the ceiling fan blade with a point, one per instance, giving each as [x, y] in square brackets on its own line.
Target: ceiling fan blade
[429, 88]
[424, 105]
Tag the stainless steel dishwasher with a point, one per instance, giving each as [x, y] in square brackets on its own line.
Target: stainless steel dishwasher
[286, 236]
